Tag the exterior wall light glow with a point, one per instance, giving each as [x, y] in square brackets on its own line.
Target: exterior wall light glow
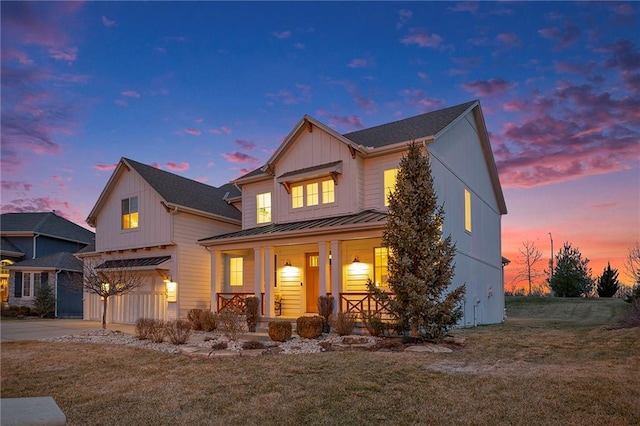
[172, 291]
[287, 264]
[356, 260]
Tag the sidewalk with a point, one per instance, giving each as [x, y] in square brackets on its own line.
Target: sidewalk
[12, 330]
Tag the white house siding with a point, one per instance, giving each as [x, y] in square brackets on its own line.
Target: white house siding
[147, 301]
[374, 179]
[154, 221]
[193, 260]
[249, 203]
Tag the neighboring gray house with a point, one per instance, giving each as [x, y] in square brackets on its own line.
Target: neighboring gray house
[37, 248]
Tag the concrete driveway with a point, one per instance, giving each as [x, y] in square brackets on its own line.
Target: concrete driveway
[34, 329]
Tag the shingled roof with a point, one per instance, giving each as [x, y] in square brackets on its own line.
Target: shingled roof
[46, 223]
[59, 261]
[189, 193]
[420, 126]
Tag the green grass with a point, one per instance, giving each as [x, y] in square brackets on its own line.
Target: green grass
[553, 362]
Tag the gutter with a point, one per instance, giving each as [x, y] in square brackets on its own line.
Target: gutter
[35, 246]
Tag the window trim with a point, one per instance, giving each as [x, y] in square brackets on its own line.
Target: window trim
[267, 210]
[129, 214]
[319, 184]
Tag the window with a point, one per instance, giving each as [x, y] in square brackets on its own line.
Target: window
[263, 202]
[130, 213]
[312, 194]
[389, 183]
[235, 271]
[467, 210]
[30, 281]
[328, 192]
[297, 196]
[380, 263]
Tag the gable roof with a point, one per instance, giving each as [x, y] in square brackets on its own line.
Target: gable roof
[9, 249]
[45, 223]
[59, 261]
[176, 191]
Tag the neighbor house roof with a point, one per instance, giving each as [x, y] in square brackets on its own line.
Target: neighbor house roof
[177, 191]
[335, 223]
[59, 261]
[46, 223]
[9, 249]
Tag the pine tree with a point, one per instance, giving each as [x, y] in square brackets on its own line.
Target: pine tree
[571, 276]
[44, 304]
[608, 282]
[420, 264]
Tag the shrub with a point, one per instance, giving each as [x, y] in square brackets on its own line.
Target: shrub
[252, 344]
[179, 331]
[208, 321]
[280, 331]
[44, 304]
[16, 311]
[309, 327]
[143, 327]
[325, 309]
[157, 331]
[343, 323]
[252, 304]
[231, 322]
[194, 316]
[219, 346]
[374, 324]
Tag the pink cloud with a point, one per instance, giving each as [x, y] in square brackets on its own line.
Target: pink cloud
[282, 34]
[202, 179]
[508, 39]
[239, 157]
[16, 186]
[359, 63]
[215, 131]
[13, 54]
[105, 167]
[404, 16]
[194, 132]
[422, 39]
[488, 88]
[177, 167]
[564, 37]
[130, 94]
[121, 102]
[226, 129]
[109, 23]
[64, 53]
[198, 119]
[156, 166]
[350, 122]
[300, 93]
[245, 145]
[419, 99]
[466, 6]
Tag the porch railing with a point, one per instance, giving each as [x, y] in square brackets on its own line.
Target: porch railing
[237, 300]
[364, 304]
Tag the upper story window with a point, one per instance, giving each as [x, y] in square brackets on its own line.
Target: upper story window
[380, 266]
[467, 210]
[263, 203]
[235, 271]
[313, 194]
[389, 183]
[130, 213]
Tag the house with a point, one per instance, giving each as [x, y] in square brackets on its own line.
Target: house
[37, 248]
[150, 220]
[313, 216]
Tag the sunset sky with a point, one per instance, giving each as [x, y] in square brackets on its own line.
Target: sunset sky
[208, 90]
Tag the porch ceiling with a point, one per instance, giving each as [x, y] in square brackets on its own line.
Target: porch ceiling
[363, 220]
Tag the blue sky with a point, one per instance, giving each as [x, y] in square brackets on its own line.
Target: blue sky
[209, 89]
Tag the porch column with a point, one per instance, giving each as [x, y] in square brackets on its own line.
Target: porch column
[336, 274]
[269, 282]
[322, 270]
[216, 278]
[257, 259]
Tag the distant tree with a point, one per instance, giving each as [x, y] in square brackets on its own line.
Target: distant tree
[44, 303]
[632, 264]
[108, 278]
[571, 275]
[530, 257]
[420, 261]
[608, 282]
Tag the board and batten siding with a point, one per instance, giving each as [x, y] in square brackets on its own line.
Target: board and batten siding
[193, 260]
[154, 221]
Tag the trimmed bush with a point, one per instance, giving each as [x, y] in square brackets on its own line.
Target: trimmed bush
[252, 344]
[194, 316]
[343, 323]
[157, 331]
[143, 327]
[208, 321]
[279, 331]
[252, 308]
[309, 327]
[232, 322]
[178, 331]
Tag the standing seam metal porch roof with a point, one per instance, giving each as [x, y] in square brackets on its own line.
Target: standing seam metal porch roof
[364, 217]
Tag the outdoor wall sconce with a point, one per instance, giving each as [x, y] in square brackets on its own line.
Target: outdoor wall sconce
[172, 291]
[356, 259]
[287, 263]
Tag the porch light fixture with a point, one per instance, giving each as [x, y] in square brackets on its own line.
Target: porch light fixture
[172, 291]
[287, 263]
[355, 259]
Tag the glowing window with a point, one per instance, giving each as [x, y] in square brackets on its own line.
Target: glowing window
[297, 196]
[312, 194]
[314, 261]
[263, 202]
[130, 213]
[467, 210]
[235, 271]
[328, 191]
[389, 183]
[380, 263]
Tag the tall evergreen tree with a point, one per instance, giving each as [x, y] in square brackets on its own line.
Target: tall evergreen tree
[608, 282]
[571, 276]
[420, 264]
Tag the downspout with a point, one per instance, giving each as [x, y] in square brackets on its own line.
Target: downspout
[35, 246]
[55, 289]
